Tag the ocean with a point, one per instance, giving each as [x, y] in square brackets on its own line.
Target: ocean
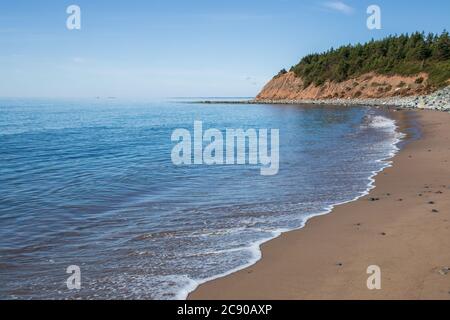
[91, 183]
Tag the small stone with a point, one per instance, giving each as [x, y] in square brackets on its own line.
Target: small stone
[435, 211]
[444, 271]
[431, 202]
[383, 233]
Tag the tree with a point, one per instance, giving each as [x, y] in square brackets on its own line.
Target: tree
[282, 72]
[400, 54]
[442, 47]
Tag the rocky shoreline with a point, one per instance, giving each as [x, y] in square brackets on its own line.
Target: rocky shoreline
[439, 100]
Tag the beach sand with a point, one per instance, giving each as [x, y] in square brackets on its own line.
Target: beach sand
[406, 233]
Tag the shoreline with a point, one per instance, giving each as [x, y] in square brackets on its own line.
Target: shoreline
[438, 100]
[285, 272]
[257, 246]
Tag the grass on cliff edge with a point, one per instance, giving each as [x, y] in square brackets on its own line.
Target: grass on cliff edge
[405, 55]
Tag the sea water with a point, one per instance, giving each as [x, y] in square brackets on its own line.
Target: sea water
[91, 183]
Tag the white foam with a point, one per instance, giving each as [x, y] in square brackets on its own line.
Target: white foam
[380, 122]
[254, 249]
[375, 121]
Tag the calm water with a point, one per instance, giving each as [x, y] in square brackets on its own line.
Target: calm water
[91, 183]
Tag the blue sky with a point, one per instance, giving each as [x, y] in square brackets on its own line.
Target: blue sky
[166, 48]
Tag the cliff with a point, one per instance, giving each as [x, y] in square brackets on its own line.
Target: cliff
[288, 86]
[396, 66]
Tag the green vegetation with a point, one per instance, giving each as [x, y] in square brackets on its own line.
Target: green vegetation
[282, 72]
[405, 55]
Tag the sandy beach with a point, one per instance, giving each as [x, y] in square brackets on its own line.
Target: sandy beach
[402, 226]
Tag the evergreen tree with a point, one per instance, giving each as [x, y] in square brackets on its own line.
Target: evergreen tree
[400, 54]
[442, 47]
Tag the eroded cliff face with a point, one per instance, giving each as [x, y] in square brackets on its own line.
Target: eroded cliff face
[371, 85]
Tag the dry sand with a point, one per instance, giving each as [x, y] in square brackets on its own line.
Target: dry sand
[400, 233]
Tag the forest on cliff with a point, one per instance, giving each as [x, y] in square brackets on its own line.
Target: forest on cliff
[405, 54]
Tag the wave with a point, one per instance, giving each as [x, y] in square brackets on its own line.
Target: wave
[372, 121]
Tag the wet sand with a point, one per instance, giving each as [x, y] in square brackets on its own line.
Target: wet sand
[402, 226]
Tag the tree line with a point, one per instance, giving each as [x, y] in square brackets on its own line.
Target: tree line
[405, 54]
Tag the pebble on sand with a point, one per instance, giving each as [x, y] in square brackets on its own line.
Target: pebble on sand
[444, 271]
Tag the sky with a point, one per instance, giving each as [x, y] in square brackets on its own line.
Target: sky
[144, 49]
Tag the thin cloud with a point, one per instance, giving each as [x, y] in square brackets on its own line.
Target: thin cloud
[253, 80]
[78, 60]
[339, 6]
